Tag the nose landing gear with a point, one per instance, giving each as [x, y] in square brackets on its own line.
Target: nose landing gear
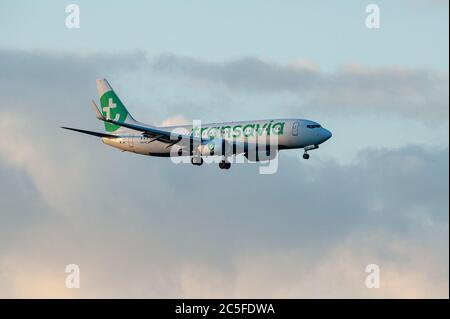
[309, 148]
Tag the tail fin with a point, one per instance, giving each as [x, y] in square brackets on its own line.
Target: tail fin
[111, 106]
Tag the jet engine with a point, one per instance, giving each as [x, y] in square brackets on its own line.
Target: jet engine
[258, 156]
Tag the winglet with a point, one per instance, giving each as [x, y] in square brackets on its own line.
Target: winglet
[97, 111]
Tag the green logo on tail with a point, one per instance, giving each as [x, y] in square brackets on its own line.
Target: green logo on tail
[113, 109]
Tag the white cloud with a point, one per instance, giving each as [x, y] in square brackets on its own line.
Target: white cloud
[175, 120]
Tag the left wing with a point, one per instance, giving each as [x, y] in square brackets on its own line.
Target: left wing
[90, 132]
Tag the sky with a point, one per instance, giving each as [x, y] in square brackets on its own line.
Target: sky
[142, 227]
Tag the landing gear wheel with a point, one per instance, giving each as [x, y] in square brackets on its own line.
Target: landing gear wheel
[224, 165]
[306, 156]
[196, 161]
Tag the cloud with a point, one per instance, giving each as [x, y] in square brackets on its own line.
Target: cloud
[415, 93]
[312, 238]
[244, 74]
[144, 227]
[339, 273]
[175, 120]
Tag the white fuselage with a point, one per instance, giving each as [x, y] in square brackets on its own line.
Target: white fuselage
[281, 133]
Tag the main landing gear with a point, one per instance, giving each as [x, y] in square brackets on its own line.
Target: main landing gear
[197, 160]
[224, 164]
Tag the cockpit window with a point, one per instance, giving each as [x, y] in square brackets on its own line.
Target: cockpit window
[313, 126]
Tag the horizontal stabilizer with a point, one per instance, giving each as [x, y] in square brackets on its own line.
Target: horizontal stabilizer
[90, 132]
[97, 111]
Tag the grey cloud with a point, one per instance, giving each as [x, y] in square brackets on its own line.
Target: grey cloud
[21, 204]
[141, 239]
[416, 93]
[39, 67]
[144, 227]
[243, 74]
[33, 78]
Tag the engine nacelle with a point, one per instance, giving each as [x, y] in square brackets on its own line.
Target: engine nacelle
[261, 155]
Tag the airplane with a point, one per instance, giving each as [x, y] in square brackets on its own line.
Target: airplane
[257, 140]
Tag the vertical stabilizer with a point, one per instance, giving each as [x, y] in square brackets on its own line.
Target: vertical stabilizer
[112, 107]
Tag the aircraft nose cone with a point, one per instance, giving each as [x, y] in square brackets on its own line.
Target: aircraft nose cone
[326, 135]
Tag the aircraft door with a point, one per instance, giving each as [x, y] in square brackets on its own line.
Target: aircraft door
[295, 129]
